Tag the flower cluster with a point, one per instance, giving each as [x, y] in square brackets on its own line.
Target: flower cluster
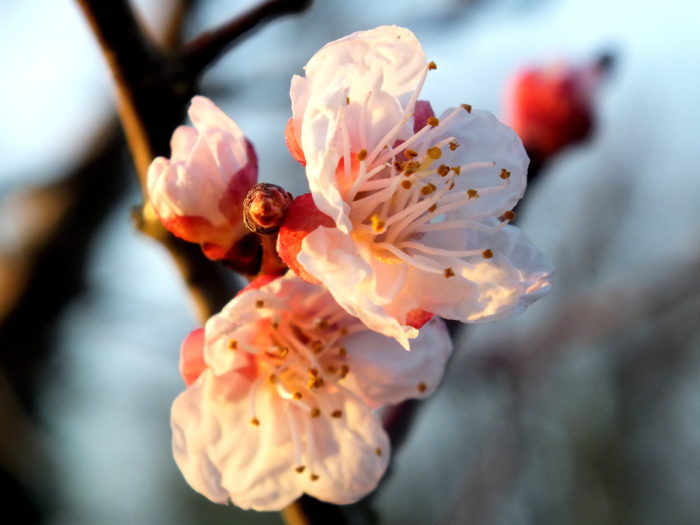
[407, 220]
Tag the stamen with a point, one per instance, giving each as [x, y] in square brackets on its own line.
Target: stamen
[443, 170]
[467, 107]
[505, 174]
[377, 223]
[434, 153]
[439, 251]
[449, 273]
[428, 189]
[406, 184]
[362, 154]
[433, 122]
[410, 154]
[342, 352]
[315, 412]
[508, 216]
[254, 421]
[300, 469]
[422, 387]
[472, 194]
[432, 65]
[337, 413]
[232, 344]
[297, 395]
[487, 254]
[314, 477]
[344, 371]
[259, 303]
[378, 452]
[453, 145]
[457, 169]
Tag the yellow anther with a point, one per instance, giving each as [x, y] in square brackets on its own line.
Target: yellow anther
[428, 189]
[508, 216]
[259, 303]
[410, 154]
[432, 208]
[472, 194]
[449, 272]
[453, 145]
[337, 413]
[378, 451]
[255, 422]
[297, 395]
[434, 153]
[232, 344]
[505, 174]
[377, 223]
[406, 184]
[342, 352]
[300, 469]
[315, 382]
[433, 121]
[487, 254]
[467, 107]
[315, 412]
[457, 169]
[411, 166]
[432, 65]
[283, 351]
[314, 477]
[362, 154]
[422, 387]
[443, 170]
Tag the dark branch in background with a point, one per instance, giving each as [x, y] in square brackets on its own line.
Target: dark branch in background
[198, 54]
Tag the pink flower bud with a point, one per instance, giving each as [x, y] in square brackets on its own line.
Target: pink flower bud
[198, 192]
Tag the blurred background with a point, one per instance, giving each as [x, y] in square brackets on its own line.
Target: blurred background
[583, 410]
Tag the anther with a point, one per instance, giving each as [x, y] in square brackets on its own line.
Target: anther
[272, 378]
[255, 422]
[315, 412]
[336, 413]
[457, 169]
[322, 324]
[443, 170]
[433, 122]
[505, 174]
[452, 185]
[428, 189]
[344, 330]
[422, 387]
[342, 352]
[344, 370]
[283, 351]
[434, 153]
[449, 272]
[378, 452]
[487, 254]
[406, 184]
[472, 194]
[432, 208]
[300, 469]
[377, 224]
[432, 65]
[297, 395]
[453, 145]
[508, 216]
[399, 166]
[331, 369]
[362, 154]
[259, 303]
[316, 346]
[232, 344]
[314, 477]
[467, 107]
[410, 154]
[347, 100]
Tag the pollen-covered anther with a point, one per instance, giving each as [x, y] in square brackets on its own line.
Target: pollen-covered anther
[406, 184]
[505, 174]
[434, 153]
[315, 412]
[432, 65]
[232, 344]
[472, 194]
[467, 107]
[449, 272]
[300, 469]
[399, 166]
[410, 154]
[443, 170]
[255, 421]
[432, 122]
[487, 254]
[362, 154]
[314, 382]
[453, 145]
[337, 413]
[508, 216]
[377, 223]
[282, 352]
[457, 169]
[422, 387]
[428, 189]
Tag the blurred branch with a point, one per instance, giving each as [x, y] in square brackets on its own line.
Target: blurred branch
[198, 54]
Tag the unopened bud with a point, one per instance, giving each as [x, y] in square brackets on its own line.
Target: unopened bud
[264, 207]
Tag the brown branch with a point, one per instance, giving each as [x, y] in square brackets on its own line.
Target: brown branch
[201, 52]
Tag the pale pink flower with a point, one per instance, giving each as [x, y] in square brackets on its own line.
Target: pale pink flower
[281, 387]
[412, 211]
[198, 193]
